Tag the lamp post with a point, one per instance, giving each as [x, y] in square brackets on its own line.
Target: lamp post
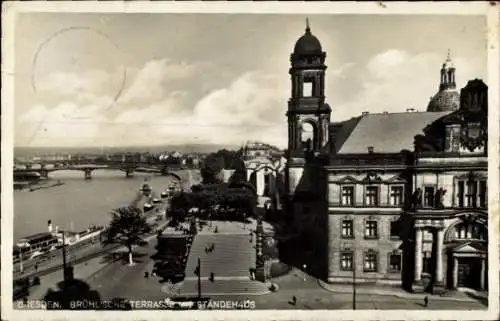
[353, 266]
[199, 278]
[354, 280]
[64, 254]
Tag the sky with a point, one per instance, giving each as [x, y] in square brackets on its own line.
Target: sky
[169, 79]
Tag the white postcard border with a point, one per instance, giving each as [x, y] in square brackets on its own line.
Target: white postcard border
[10, 9]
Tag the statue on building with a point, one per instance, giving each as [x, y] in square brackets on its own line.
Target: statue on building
[416, 199]
[439, 198]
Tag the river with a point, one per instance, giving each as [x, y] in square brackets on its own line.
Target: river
[78, 203]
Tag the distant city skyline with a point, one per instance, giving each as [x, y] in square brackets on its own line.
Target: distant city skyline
[219, 79]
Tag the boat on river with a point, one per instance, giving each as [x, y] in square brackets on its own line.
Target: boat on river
[43, 243]
[145, 188]
[34, 245]
[147, 207]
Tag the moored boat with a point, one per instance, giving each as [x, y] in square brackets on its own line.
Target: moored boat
[147, 207]
[145, 188]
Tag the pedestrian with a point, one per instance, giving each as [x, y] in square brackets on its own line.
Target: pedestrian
[426, 301]
[36, 267]
[294, 300]
[212, 276]
[146, 275]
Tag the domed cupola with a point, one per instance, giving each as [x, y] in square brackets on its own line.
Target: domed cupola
[447, 98]
[308, 44]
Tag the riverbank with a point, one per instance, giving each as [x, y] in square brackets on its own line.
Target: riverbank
[85, 250]
[34, 185]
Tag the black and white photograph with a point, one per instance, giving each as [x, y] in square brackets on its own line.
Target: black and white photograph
[229, 160]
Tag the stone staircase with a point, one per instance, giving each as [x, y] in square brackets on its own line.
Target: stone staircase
[232, 256]
[222, 287]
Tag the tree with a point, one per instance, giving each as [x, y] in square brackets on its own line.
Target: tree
[126, 227]
[211, 168]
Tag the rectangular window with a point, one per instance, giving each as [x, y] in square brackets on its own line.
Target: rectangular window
[371, 196]
[307, 88]
[461, 193]
[471, 194]
[396, 195]
[395, 262]
[483, 194]
[347, 195]
[370, 262]
[394, 233]
[347, 229]
[346, 261]
[371, 229]
[429, 196]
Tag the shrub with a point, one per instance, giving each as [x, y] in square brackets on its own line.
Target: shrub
[279, 269]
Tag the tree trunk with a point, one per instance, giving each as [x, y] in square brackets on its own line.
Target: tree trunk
[130, 260]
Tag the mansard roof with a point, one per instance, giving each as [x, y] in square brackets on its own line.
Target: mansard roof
[384, 132]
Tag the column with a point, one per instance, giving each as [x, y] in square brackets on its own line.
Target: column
[439, 256]
[260, 183]
[455, 272]
[484, 270]
[418, 254]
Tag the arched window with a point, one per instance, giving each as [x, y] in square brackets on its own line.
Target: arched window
[470, 231]
[307, 135]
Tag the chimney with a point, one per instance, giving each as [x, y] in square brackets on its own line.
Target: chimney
[49, 223]
[370, 149]
[364, 113]
[385, 113]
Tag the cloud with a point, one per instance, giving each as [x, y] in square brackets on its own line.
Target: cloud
[153, 80]
[67, 124]
[343, 70]
[250, 107]
[173, 103]
[90, 82]
[150, 111]
[395, 80]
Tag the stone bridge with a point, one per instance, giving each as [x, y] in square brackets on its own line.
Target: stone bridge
[87, 169]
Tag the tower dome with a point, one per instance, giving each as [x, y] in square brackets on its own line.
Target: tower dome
[308, 44]
[447, 98]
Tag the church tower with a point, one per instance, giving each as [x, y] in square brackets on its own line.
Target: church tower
[308, 114]
[447, 98]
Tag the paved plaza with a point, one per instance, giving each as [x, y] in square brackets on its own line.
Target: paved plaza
[232, 256]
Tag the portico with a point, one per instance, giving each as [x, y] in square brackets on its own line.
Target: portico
[458, 253]
[469, 265]
[436, 228]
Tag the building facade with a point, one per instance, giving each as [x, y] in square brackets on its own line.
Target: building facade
[388, 197]
[265, 167]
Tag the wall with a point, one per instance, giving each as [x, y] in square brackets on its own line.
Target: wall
[383, 245]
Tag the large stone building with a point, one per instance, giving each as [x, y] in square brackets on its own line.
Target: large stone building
[265, 167]
[397, 197]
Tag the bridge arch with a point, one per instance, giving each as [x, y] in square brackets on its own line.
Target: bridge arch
[167, 173]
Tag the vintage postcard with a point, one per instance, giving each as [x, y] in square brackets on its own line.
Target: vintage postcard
[239, 160]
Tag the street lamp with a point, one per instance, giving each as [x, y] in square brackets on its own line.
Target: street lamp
[353, 262]
[354, 280]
